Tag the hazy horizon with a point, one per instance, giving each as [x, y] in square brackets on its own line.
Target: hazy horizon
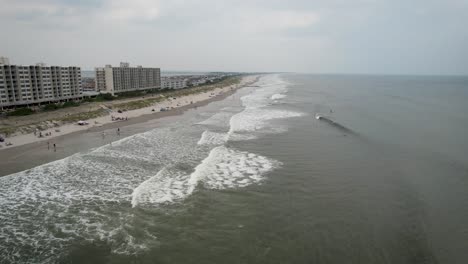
[331, 37]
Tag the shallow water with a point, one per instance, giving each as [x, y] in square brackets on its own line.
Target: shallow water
[256, 178]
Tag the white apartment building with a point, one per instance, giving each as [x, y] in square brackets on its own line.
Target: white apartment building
[125, 78]
[26, 85]
[173, 82]
[4, 61]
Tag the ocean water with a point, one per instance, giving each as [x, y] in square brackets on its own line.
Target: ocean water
[256, 178]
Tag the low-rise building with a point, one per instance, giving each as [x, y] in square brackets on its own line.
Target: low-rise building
[88, 84]
[125, 78]
[174, 82]
[34, 84]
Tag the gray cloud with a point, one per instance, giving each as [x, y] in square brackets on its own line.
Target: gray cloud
[335, 36]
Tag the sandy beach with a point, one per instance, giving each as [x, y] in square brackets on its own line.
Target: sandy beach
[121, 119]
[74, 138]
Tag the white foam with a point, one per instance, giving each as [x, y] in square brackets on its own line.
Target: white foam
[166, 186]
[46, 197]
[75, 199]
[278, 96]
[258, 112]
[256, 115]
[223, 168]
[262, 97]
[226, 168]
[212, 138]
[251, 120]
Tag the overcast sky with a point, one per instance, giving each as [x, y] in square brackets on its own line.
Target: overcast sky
[326, 36]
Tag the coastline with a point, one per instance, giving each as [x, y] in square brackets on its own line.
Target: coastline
[168, 103]
[34, 149]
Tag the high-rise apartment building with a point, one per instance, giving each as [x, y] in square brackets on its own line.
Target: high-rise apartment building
[26, 85]
[125, 78]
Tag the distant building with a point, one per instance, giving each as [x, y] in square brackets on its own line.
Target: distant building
[4, 61]
[125, 78]
[174, 82]
[101, 79]
[26, 85]
[88, 84]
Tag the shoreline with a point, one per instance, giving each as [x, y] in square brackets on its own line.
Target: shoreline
[168, 103]
[36, 152]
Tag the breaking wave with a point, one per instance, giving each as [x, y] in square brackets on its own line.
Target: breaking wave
[212, 138]
[278, 96]
[90, 196]
[166, 186]
[227, 168]
[50, 207]
[256, 115]
[223, 168]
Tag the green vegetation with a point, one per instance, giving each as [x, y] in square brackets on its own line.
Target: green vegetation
[124, 95]
[153, 97]
[7, 131]
[138, 104]
[103, 97]
[70, 104]
[99, 98]
[52, 107]
[131, 94]
[226, 81]
[83, 116]
[21, 112]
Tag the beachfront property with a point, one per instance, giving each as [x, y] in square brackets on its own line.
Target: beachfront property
[23, 85]
[205, 79]
[174, 82]
[125, 78]
[184, 81]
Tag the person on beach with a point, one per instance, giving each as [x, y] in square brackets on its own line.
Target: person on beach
[118, 131]
[55, 148]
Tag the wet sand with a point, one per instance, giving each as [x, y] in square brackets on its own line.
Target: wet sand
[20, 158]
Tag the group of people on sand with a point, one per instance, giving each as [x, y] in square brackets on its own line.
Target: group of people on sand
[119, 118]
[39, 133]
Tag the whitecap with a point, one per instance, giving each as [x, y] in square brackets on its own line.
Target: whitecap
[251, 120]
[166, 186]
[227, 168]
[278, 96]
[212, 138]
